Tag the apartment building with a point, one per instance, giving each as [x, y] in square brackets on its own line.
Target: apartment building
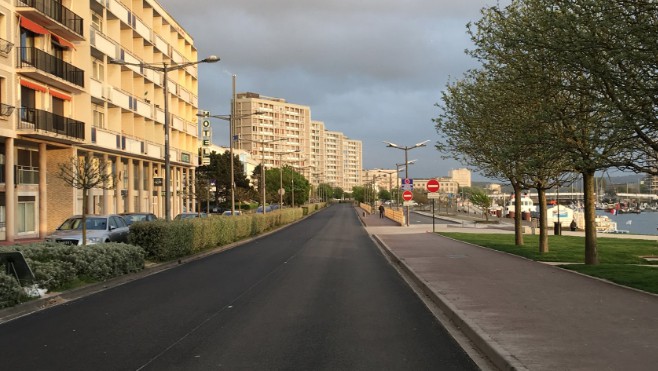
[62, 98]
[281, 133]
[461, 176]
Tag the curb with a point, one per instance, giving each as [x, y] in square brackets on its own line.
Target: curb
[502, 359]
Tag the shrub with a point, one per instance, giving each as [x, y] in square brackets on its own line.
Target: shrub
[11, 292]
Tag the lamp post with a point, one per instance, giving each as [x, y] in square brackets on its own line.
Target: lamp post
[398, 168]
[262, 143]
[165, 68]
[406, 161]
[231, 120]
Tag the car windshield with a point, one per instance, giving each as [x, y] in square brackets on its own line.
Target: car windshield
[134, 218]
[76, 224]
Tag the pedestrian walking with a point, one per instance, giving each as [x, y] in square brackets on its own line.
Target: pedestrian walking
[381, 211]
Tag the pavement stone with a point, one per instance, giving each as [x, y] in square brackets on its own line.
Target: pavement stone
[524, 314]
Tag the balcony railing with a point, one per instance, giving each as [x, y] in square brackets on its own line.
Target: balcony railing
[36, 119]
[37, 58]
[55, 10]
[27, 175]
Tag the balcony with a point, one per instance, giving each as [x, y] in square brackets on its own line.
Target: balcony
[34, 62]
[53, 16]
[47, 125]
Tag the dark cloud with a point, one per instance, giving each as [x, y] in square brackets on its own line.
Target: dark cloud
[373, 69]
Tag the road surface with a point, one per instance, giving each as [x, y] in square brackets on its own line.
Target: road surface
[317, 295]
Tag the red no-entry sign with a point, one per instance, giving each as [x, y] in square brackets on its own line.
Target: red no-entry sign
[432, 185]
[407, 195]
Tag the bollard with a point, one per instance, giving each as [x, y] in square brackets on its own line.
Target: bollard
[364, 214]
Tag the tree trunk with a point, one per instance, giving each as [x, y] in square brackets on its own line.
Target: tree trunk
[591, 253]
[84, 216]
[543, 221]
[518, 228]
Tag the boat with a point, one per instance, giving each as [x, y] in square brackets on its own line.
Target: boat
[559, 213]
[527, 206]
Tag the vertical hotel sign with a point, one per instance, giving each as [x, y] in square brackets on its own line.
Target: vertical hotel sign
[206, 142]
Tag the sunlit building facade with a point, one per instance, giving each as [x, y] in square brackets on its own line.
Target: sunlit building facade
[62, 98]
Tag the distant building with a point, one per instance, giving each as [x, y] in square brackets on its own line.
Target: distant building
[494, 188]
[461, 176]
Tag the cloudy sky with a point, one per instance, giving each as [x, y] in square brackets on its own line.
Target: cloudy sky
[372, 69]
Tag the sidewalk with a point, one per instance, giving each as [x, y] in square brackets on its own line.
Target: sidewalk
[523, 314]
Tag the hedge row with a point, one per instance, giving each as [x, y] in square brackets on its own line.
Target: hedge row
[165, 241]
[57, 266]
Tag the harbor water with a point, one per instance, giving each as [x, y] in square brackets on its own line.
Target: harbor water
[642, 223]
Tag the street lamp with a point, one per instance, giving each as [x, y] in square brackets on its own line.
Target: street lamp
[280, 154]
[406, 161]
[262, 143]
[165, 68]
[231, 120]
[398, 168]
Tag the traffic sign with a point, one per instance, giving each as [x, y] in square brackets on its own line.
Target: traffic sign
[407, 184]
[407, 195]
[432, 185]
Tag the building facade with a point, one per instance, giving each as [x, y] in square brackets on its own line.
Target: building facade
[281, 133]
[62, 99]
[461, 176]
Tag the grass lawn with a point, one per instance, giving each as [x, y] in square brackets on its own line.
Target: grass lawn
[618, 257]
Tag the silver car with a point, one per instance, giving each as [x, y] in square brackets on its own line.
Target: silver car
[100, 228]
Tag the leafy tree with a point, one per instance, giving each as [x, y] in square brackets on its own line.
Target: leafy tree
[219, 170]
[384, 194]
[481, 199]
[338, 193]
[86, 173]
[358, 193]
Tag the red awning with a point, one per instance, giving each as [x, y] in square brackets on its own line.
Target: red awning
[59, 95]
[34, 86]
[62, 41]
[34, 27]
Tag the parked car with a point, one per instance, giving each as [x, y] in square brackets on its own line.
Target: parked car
[268, 209]
[183, 216]
[138, 217]
[228, 212]
[100, 228]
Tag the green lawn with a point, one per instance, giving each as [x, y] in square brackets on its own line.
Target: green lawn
[619, 257]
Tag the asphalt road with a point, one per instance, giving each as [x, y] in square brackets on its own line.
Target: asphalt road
[317, 295]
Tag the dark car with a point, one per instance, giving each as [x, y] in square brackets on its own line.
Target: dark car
[183, 216]
[100, 228]
[138, 217]
[268, 209]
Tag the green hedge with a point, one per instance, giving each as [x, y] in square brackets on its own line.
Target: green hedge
[165, 241]
[57, 266]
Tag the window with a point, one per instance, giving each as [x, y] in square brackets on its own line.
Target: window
[99, 118]
[97, 21]
[98, 70]
[26, 214]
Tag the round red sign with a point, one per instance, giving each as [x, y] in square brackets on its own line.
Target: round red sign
[407, 195]
[432, 185]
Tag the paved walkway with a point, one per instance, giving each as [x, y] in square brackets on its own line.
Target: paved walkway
[524, 314]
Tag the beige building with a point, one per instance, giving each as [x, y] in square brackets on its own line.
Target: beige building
[283, 133]
[461, 176]
[62, 98]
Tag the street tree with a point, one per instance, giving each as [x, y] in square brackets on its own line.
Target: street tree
[528, 37]
[478, 197]
[219, 171]
[86, 173]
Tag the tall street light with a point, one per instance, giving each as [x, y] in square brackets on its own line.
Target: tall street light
[262, 143]
[281, 190]
[231, 120]
[165, 68]
[406, 160]
[398, 168]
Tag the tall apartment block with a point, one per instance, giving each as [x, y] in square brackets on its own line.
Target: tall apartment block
[61, 98]
[284, 134]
